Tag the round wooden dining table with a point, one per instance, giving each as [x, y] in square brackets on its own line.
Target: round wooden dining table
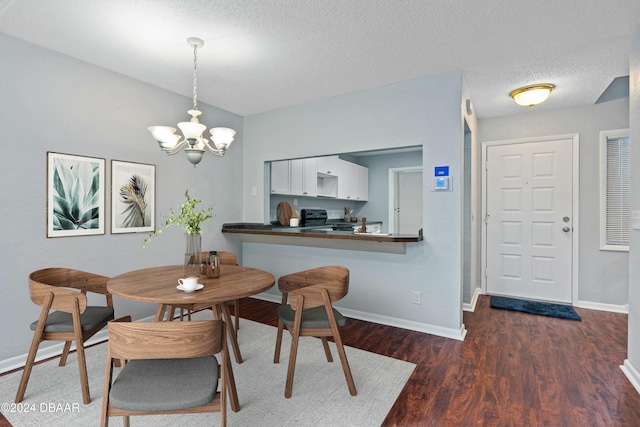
[159, 285]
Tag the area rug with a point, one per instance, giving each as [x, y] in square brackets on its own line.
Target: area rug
[534, 307]
[320, 393]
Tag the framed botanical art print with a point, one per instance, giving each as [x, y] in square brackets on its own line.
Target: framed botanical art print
[75, 195]
[133, 193]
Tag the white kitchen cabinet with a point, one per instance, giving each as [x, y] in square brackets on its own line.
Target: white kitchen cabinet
[280, 177]
[327, 165]
[353, 181]
[303, 177]
[362, 188]
[346, 180]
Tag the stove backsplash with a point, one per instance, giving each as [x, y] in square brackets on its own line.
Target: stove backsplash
[334, 208]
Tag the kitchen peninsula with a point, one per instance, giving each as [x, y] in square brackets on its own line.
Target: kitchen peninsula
[321, 237]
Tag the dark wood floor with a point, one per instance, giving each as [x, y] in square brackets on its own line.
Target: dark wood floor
[513, 369]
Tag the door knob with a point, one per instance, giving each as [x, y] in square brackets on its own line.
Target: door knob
[566, 229]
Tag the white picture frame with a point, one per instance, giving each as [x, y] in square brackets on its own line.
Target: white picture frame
[75, 195]
[133, 195]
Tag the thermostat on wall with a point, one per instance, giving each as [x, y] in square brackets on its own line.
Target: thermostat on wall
[443, 183]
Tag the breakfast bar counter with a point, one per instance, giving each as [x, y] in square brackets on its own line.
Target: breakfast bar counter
[321, 237]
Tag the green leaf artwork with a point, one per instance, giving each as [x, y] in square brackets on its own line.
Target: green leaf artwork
[76, 194]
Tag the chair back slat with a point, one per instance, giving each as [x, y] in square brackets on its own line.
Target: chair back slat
[314, 276]
[70, 278]
[165, 340]
[63, 299]
[332, 281]
[55, 280]
[315, 295]
[226, 258]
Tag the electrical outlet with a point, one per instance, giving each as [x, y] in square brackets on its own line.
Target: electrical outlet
[416, 297]
[295, 202]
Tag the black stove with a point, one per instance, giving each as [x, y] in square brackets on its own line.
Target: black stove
[313, 217]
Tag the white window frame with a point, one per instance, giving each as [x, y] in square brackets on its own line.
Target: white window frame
[604, 136]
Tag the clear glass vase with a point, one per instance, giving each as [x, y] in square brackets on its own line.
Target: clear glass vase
[192, 255]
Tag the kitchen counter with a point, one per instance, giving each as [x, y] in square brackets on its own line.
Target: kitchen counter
[321, 236]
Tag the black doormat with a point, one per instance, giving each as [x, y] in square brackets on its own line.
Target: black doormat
[534, 307]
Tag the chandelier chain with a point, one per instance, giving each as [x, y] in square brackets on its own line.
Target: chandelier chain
[195, 78]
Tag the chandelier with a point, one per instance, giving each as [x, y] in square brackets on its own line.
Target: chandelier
[191, 140]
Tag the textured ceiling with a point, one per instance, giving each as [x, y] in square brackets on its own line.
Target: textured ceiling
[261, 55]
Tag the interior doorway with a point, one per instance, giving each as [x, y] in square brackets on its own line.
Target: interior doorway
[405, 200]
[467, 221]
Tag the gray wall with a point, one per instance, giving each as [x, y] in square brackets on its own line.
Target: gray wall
[602, 275]
[632, 364]
[51, 102]
[423, 112]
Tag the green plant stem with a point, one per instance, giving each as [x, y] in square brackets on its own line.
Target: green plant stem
[188, 218]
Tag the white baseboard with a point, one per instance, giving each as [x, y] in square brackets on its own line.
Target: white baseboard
[474, 300]
[614, 308]
[55, 350]
[456, 334]
[47, 352]
[632, 374]
[268, 297]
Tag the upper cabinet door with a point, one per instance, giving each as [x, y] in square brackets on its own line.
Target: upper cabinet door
[304, 174]
[280, 177]
[362, 184]
[346, 180]
[353, 181]
[295, 177]
[310, 177]
[327, 165]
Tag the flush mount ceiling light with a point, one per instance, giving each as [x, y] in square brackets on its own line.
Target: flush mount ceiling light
[192, 140]
[529, 96]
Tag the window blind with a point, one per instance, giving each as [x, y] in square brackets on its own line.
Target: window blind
[617, 191]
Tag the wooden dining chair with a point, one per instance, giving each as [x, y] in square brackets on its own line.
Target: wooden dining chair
[170, 368]
[64, 290]
[310, 313]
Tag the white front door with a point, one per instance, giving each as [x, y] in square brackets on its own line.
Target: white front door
[529, 225]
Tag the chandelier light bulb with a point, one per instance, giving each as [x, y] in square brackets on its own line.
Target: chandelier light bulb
[222, 137]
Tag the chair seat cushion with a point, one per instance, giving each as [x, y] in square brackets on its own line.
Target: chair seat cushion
[165, 384]
[60, 321]
[314, 318]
